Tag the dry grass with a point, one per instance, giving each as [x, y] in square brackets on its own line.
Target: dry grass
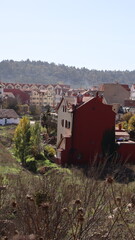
[8, 164]
[6, 134]
[67, 206]
[63, 205]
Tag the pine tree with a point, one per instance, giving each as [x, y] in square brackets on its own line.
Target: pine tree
[35, 140]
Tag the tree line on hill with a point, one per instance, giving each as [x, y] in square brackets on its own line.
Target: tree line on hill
[49, 73]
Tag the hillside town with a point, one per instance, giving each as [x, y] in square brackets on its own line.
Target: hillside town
[118, 95]
[67, 120]
[88, 120]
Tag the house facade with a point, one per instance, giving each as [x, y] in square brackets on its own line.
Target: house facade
[132, 92]
[8, 116]
[91, 131]
[65, 118]
[40, 94]
[129, 105]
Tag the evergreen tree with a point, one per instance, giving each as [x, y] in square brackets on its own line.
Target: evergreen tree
[35, 140]
[46, 119]
[22, 140]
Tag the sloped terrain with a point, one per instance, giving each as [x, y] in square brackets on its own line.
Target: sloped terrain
[8, 164]
[50, 73]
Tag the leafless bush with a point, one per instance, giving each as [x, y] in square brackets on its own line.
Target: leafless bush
[68, 206]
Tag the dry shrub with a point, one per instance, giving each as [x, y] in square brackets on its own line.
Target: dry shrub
[68, 206]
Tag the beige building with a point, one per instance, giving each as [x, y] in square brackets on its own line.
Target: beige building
[115, 93]
[40, 94]
[65, 115]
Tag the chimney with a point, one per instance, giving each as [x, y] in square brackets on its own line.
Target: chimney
[120, 127]
[100, 97]
[79, 98]
[97, 94]
[73, 107]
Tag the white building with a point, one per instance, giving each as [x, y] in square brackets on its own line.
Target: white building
[8, 116]
[65, 117]
[132, 92]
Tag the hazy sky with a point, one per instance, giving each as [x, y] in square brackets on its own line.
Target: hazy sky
[96, 34]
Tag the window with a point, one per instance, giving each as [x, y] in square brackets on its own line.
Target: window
[66, 124]
[62, 122]
[64, 108]
[50, 88]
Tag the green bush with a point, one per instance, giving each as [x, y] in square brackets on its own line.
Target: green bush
[49, 151]
[40, 157]
[31, 164]
[125, 125]
[131, 123]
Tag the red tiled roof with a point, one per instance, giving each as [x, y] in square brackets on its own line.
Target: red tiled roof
[34, 84]
[103, 86]
[126, 87]
[24, 97]
[129, 103]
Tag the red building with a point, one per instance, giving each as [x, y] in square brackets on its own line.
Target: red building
[21, 96]
[90, 134]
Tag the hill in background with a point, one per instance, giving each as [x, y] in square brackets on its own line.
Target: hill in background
[50, 73]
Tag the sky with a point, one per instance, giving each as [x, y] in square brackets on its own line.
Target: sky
[95, 34]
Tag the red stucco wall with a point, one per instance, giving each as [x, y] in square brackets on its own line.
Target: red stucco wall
[91, 120]
[127, 152]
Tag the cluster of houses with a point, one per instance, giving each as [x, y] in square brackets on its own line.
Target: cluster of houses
[86, 132]
[119, 95]
[35, 94]
[86, 119]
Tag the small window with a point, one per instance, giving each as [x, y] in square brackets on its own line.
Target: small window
[66, 124]
[62, 122]
[64, 108]
[61, 136]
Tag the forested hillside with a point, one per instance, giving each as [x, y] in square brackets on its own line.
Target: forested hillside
[45, 73]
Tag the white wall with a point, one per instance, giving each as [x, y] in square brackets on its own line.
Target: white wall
[5, 121]
[65, 116]
[132, 95]
[132, 92]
